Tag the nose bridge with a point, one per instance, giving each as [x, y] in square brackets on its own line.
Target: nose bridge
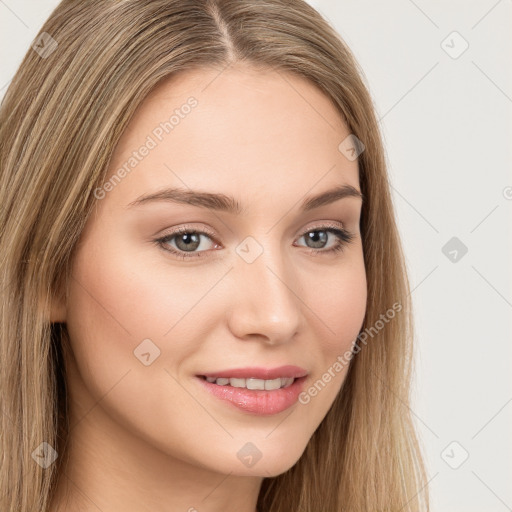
[265, 303]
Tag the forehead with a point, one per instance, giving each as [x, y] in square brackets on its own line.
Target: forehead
[239, 128]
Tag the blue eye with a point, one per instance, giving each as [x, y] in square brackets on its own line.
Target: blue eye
[319, 235]
[187, 241]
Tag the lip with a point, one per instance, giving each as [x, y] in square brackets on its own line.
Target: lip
[256, 372]
[257, 401]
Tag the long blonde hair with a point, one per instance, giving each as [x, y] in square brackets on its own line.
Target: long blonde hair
[60, 121]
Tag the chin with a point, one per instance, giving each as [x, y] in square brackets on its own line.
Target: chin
[260, 469]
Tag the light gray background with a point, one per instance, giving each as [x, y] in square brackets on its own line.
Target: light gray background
[447, 126]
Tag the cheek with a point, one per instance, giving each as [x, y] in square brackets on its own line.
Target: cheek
[120, 298]
[112, 307]
[339, 313]
[118, 294]
[338, 301]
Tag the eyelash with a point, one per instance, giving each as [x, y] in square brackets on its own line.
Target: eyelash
[343, 239]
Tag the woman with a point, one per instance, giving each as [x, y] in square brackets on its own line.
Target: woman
[205, 303]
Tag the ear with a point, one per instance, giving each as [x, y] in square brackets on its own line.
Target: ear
[58, 307]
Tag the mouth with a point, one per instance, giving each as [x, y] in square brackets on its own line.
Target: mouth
[251, 383]
[257, 391]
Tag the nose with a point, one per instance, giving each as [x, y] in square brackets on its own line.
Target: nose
[265, 304]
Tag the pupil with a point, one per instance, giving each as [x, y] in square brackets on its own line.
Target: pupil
[190, 241]
[318, 238]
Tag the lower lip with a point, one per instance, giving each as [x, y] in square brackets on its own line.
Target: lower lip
[257, 401]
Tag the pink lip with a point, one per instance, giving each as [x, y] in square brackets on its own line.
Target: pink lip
[257, 401]
[260, 373]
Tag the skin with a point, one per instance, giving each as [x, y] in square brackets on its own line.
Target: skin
[149, 438]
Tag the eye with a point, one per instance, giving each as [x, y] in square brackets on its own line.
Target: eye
[318, 238]
[184, 242]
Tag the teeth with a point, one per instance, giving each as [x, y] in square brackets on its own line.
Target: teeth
[251, 383]
[255, 383]
[272, 384]
[236, 383]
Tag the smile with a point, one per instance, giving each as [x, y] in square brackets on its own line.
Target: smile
[260, 391]
[252, 383]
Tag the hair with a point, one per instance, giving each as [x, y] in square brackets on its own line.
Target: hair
[60, 121]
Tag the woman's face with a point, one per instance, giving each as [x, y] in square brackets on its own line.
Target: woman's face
[238, 294]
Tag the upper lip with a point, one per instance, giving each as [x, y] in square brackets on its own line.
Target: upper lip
[286, 371]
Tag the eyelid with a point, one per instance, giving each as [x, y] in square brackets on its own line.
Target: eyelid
[333, 226]
[323, 225]
[184, 228]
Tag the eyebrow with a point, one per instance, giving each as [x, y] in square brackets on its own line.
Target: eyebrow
[222, 202]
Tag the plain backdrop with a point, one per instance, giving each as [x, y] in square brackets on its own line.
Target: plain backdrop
[440, 74]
